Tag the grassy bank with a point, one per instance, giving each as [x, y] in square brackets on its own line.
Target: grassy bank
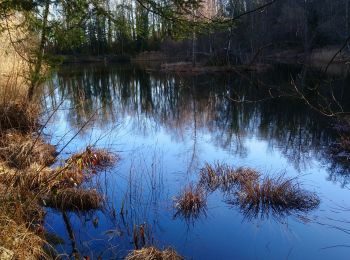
[28, 182]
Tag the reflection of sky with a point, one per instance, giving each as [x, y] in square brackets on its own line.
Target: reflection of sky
[156, 165]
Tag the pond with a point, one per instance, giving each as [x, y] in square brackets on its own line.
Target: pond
[165, 128]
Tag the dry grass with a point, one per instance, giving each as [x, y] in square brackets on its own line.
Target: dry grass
[152, 253]
[14, 56]
[21, 150]
[23, 157]
[191, 203]
[21, 229]
[18, 242]
[25, 176]
[72, 199]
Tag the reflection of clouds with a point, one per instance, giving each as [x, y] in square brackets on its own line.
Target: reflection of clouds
[194, 106]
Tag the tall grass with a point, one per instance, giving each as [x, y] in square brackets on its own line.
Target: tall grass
[15, 51]
[16, 46]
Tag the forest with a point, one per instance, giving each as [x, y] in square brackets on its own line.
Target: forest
[174, 129]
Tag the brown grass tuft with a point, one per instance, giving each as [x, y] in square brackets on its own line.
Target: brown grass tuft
[191, 203]
[72, 199]
[20, 151]
[152, 253]
[278, 196]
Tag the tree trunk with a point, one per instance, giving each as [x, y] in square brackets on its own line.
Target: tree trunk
[193, 39]
[35, 77]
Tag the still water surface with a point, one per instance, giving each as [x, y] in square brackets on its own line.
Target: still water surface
[165, 128]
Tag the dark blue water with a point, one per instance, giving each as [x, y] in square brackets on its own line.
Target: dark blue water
[165, 128]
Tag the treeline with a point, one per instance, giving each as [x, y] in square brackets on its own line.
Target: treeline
[109, 27]
[208, 28]
[131, 26]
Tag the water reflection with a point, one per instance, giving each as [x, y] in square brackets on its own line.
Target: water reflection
[199, 104]
[195, 119]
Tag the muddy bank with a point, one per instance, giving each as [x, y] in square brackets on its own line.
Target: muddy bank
[76, 59]
[188, 68]
[259, 62]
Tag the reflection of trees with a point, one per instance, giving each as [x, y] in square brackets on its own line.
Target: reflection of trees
[198, 104]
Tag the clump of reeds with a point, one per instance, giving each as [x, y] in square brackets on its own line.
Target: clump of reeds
[91, 159]
[82, 166]
[21, 150]
[152, 253]
[225, 177]
[191, 202]
[256, 195]
[278, 196]
[210, 177]
[72, 199]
